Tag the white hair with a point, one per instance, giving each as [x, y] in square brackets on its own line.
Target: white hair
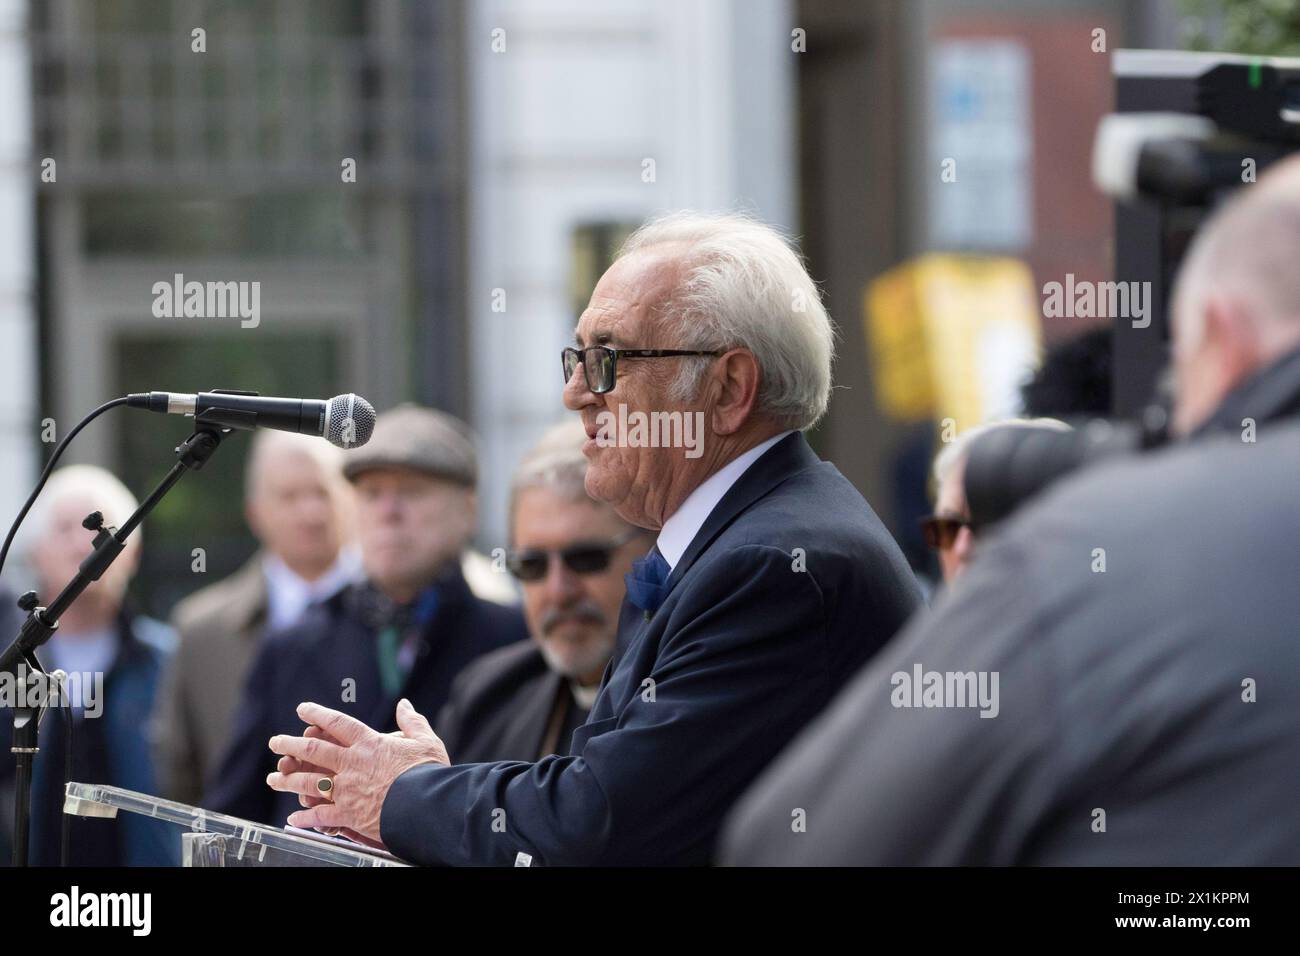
[744, 286]
[101, 488]
[955, 452]
[555, 463]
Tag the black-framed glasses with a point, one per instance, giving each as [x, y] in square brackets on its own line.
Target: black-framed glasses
[600, 362]
[940, 531]
[584, 557]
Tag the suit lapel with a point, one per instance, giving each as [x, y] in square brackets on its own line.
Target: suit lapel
[787, 457]
[248, 606]
[344, 649]
[527, 728]
[436, 642]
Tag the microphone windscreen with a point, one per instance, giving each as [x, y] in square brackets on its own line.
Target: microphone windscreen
[349, 421]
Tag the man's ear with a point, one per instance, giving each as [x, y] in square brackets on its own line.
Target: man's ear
[131, 557]
[251, 519]
[471, 515]
[734, 379]
[344, 502]
[1233, 339]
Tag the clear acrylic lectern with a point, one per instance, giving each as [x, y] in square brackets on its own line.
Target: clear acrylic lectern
[213, 839]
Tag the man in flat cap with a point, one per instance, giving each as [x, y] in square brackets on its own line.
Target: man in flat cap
[404, 633]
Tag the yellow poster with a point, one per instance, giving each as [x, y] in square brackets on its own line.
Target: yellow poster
[952, 337]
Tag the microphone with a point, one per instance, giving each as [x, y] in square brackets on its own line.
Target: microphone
[344, 420]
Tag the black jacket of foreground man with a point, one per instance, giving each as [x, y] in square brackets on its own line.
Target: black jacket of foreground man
[789, 586]
[1147, 714]
[333, 644]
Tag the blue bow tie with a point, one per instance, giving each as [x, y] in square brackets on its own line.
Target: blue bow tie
[647, 583]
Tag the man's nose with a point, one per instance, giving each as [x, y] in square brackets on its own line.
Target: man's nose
[576, 393]
[313, 512]
[562, 585]
[389, 507]
[963, 544]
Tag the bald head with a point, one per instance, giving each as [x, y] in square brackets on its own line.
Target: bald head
[1236, 304]
[296, 501]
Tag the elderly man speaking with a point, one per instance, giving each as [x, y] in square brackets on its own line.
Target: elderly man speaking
[772, 581]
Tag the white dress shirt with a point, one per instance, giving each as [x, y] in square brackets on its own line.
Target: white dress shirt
[288, 595]
[90, 652]
[83, 655]
[685, 523]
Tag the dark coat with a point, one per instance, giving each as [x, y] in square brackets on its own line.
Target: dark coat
[329, 657]
[1127, 730]
[789, 586]
[218, 627]
[501, 707]
[112, 748]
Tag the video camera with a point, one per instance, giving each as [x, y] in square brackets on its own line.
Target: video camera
[1190, 129]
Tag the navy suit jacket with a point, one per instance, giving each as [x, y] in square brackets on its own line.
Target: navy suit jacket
[311, 660]
[790, 585]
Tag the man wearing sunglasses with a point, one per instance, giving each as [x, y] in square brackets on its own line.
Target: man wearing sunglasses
[948, 531]
[569, 554]
[770, 583]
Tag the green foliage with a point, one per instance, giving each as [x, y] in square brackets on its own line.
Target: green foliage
[1253, 27]
[205, 508]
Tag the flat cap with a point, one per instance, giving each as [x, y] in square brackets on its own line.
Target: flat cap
[411, 436]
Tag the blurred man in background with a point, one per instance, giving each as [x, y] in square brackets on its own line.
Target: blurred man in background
[406, 631]
[1140, 619]
[949, 531]
[570, 554]
[114, 659]
[298, 507]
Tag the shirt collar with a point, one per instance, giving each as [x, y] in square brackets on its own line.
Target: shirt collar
[685, 523]
[87, 653]
[584, 697]
[288, 595]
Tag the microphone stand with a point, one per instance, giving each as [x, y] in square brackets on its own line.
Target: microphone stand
[19, 658]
